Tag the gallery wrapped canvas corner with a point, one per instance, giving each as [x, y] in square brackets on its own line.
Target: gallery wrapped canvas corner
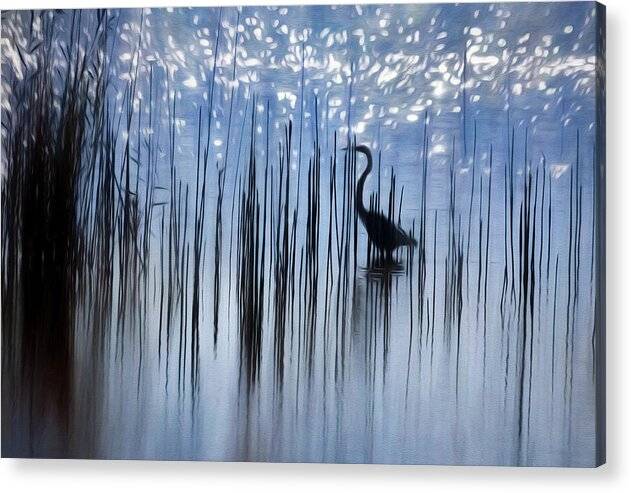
[362, 233]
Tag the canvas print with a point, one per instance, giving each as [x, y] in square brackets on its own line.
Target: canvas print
[350, 234]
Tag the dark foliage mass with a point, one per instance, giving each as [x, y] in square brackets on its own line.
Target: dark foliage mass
[113, 258]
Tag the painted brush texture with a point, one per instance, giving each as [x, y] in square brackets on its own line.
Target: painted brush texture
[187, 272]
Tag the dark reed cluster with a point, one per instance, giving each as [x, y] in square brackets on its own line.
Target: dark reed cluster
[110, 265]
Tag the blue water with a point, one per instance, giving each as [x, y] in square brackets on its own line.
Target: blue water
[479, 96]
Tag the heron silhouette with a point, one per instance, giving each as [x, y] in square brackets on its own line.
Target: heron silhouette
[383, 233]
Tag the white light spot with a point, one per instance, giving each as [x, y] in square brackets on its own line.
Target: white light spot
[557, 170]
[191, 82]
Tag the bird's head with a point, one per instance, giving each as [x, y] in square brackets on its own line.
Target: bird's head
[357, 148]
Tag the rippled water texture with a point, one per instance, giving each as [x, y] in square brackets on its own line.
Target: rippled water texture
[191, 271]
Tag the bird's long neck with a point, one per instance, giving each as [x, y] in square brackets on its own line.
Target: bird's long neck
[359, 192]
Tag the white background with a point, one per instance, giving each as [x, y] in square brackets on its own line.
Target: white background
[175, 477]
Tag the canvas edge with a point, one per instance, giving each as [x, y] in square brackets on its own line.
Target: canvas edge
[600, 225]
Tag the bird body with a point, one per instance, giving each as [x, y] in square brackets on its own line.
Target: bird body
[383, 233]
